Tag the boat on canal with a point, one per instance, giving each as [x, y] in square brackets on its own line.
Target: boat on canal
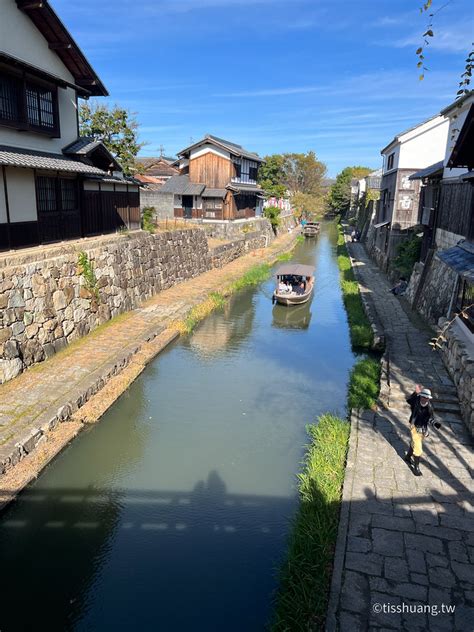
[294, 284]
[311, 229]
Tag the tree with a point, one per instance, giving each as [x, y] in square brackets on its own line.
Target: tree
[303, 173]
[116, 127]
[270, 176]
[339, 197]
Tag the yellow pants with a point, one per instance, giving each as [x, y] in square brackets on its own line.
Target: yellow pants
[416, 441]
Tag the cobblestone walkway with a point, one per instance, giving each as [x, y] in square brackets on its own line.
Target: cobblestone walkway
[404, 541]
[34, 401]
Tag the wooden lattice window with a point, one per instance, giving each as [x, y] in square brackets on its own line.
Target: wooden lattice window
[56, 194]
[9, 98]
[28, 105]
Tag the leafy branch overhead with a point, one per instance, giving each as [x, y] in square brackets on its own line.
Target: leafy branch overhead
[428, 35]
[116, 127]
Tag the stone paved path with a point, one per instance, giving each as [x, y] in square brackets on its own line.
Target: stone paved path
[405, 541]
[29, 404]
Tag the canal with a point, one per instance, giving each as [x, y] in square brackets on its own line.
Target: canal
[173, 512]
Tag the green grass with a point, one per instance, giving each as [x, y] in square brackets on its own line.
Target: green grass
[306, 575]
[364, 384]
[300, 239]
[285, 256]
[254, 276]
[360, 330]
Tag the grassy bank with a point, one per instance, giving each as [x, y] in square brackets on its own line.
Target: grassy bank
[360, 330]
[364, 384]
[306, 575]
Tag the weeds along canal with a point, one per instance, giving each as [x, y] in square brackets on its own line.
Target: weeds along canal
[173, 512]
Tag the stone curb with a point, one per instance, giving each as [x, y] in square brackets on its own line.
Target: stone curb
[340, 550]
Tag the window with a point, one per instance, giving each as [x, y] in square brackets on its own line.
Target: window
[245, 170]
[56, 194]
[213, 203]
[28, 105]
[253, 173]
[238, 169]
[9, 94]
[390, 161]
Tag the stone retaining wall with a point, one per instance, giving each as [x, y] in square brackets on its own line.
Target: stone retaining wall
[458, 357]
[44, 305]
[222, 255]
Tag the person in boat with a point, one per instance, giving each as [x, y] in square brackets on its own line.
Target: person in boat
[300, 289]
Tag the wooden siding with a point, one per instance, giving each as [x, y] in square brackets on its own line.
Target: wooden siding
[456, 208]
[212, 170]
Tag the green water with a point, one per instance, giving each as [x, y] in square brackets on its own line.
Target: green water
[173, 512]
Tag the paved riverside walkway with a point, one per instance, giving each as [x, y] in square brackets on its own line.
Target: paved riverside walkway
[38, 399]
[404, 541]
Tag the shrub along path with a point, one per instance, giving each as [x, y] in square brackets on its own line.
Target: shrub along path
[404, 541]
[38, 400]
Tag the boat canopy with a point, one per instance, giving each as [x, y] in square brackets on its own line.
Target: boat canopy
[297, 269]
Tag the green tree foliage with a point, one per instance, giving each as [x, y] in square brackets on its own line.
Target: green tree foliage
[407, 255]
[116, 127]
[273, 214]
[303, 173]
[339, 197]
[270, 176]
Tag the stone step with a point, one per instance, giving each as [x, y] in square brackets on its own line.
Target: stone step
[451, 407]
[450, 418]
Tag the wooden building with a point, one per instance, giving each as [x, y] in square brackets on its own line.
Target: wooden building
[53, 184]
[217, 180]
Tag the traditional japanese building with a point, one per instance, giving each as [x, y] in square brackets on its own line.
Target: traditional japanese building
[217, 180]
[54, 185]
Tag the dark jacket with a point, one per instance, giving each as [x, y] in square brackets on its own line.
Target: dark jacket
[421, 416]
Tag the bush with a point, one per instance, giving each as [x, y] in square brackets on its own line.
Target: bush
[148, 219]
[273, 214]
[408, 255]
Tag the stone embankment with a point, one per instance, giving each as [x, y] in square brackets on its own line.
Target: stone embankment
[38, 401]
[405, 551]
[45, 303]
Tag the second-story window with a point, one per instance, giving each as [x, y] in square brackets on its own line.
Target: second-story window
[390, 161]
[28, 105]
[40, 106]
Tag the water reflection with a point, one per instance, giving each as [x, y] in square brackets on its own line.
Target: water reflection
[292, 317]
[226, 329]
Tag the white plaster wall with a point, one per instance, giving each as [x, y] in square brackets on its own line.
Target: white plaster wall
[394, 150]
[20, 38]
[456, 120]
[90, 185]
[40, 142]
[21, 195]
[446, 239]
[426, 146]
[3, 206]
[204, 149]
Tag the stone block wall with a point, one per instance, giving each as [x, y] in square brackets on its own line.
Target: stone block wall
[44, 305]
[222, 255]
[163, 203]
[237, 229]
[458, 357]
[435, 295]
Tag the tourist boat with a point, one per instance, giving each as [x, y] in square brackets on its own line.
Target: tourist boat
[311, 229]
[293, 274]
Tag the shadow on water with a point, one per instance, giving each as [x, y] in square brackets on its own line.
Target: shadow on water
[157, 533]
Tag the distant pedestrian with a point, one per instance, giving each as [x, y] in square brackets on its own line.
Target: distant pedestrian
[422, 416]
[353, 235]
[399, 288]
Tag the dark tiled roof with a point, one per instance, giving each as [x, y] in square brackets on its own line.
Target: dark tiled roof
[240, 187]
[214, 193]
[427, 171]
[82, 146]
[182, 186]
[14, 157]
[461, 259]
[233, 148]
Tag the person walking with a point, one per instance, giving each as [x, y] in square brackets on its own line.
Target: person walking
[422, 416]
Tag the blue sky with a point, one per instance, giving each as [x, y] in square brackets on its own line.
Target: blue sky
[334, 76]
